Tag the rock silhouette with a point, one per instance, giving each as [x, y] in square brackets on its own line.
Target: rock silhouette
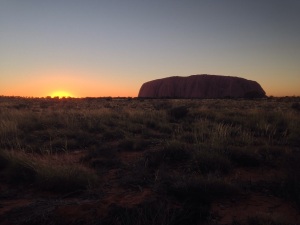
[201, 86]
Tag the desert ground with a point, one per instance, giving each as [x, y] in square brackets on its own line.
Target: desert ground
[138, 161]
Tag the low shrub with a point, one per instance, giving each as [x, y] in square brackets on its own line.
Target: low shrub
[291, 184]
[261, 219]
[137, 175]
[156, 212]
[179, 112]
[103, 150]
[64, 178]
[161, 104]
[194, 193]
[188, 137]
[294, 134]
[105, 164]
[18, 168]
[200, 189]
[22, 168]
[244, 157]
[209, 161]
[4, 162]
[175, 151]
[134, 144]
[110, 135]
[296, 106]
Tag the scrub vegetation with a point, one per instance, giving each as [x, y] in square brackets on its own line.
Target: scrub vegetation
[149, 161]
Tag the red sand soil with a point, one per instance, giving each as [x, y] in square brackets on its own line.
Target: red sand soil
[226, 210]
[7, 205]
[255, 174]
[251, 204]
[255, 204]
[114, 195]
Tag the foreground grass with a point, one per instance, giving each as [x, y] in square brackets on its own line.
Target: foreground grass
[46, 174]
[184, 151]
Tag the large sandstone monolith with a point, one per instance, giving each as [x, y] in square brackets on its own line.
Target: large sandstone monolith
[202, 86]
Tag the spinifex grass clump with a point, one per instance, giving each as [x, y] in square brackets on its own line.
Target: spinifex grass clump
[65, 178]
[176, 152]
[17, 168]
[200, 189]
[47, 174]
[290, 187]
[178, 112]
[155, 212]
[209, 161]
[296, 106]
[245, 157]
[266, 219]
[134, 144]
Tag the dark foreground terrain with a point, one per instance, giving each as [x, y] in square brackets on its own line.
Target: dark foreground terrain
[142, 161]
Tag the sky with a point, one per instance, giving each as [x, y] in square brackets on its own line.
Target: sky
[96, 48]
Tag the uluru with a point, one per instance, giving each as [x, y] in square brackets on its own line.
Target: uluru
[201, 86]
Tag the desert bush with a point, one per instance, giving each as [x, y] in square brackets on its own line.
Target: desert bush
[127, 144]
[105, 164]
[134, 128]
[271, 125]
[176, 152]
[242, 137]
[296, 106]
[162, 104]
[153, 159]
[149, 119]
[244, 156]
[178, 112]
[202, 131]
[151, 123]
[172, 153]
[18, 168]
[78, 139]
[270, 155]
[134, 144]
[188, 137]
[155, 212]
[137, 174]
[218, 134]
[209, 161]
[31, 123]
[64, 178]
[142, 172]
[103, 150]
[22, 168]
[8, 129]
[113, 134]
[94, 126]
[204, 114]
[200, 189]
[264, 219]
[291, 184]
[4, 161]
[165, 129]
[292, 138]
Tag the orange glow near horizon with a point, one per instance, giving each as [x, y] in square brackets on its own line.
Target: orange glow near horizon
[61, 94]
[80, 84]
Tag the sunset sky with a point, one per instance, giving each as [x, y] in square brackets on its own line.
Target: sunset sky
[110, 47]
